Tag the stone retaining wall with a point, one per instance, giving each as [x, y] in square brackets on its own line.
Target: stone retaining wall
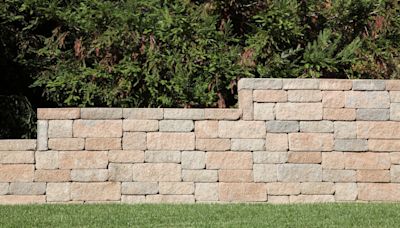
[291, 140]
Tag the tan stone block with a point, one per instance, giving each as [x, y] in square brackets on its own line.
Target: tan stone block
[304, 96]
[242, 192]
[176, 188]
[162, 156]
[276, 142]
[134, 141]
[140, 125]
[206, 129]
[383, 145]
[241, 129]
[317, 188]
[97, 128]
[392, 84]
[345, 130]
[245, 100]
[132, 199]
[17, 144]
[200, 175]
[89, 175]
[38, 188]
[339, 175]
[333, 99]
[193, 160]
[66, 144]
[60, 129]
[47, 160]
[346, 191]
[120, 172]
[4, 188]
[229, 160]
[126, 156]
[29, 199]
[367, 160]
[42, 134]
[378, 129]
[16, 157]
[379, 192]
[184, 113]
[339, 114]
[395, 157]
[101, 113]
[264, 111]
[270, 157]
[139, 188]
[278, 199]
[170, 199]
[299, 173]
[247, 144]
[103, 144]
[335, 84]
[58, 113]
[394, 96]
[96, 191]
[270, 96]
[16, 173]
[170, 141]
[176, 125]
[156, 172]
[213, 144]
[265, 173]
[83, 160]
[310, 141]
[305, 157]
[333, 160]
[278, 188]
[395, 173]
[367, 99]
[206, 192]
[373, 175]
[235, 175]
[52, 175]
[298, 111]
[302, 84]
[312, 199]
[222, 114]
[143, 113]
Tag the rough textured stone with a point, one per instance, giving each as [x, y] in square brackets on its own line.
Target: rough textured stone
[346, 191]
[312, 199]
[222, 114]
[299, 173]
[279, 188]
[235, 175]
[378, 129]
[103, 144]
[246, 103]
[242, 192]
[47, 160]
[374, 175]
[176, 188]
[392, 84]
[248, 144]
[395, 111]
[97, 128]
[29, 199]
[366, 160]
[264, 111]
[200, 175]
[170, 141]
[176, 125]
[333, 160]
[83, 160]
[316, 126]
[134, 141]
[132, 199]
[139, 188]
[162, 156]
[16, 173]
[367, 99]
[52, 175]
[395, 173]
[302, 84]
[339, 175]
[260, 83]
[126, 156]
[372, 114]
[120, 172]
[368, 84]
[28, 188]
[206, 129]
[351, 145]
[96, 191]
[241, 129]
[270, 157]
[170, 199]
[379, 192]
[310, 142]
[265, 173]
[339, 114]
[282, 126]
[66, 144]
[345, 130]
[183, 114]
[298, 111]
[143, 113]
[16, 157]
[140, 125]
[58, 113]
[193, 160]
[156, 172]
[276, 142]
[270, 96]
[42, 135]
[206, 192]
[304, 96]
[383, 145]
[229, 160]
[17, 144]
[335, 84]
[333, 99]
[317, 188]
[60, 129]
[304, 157]
[101, 113]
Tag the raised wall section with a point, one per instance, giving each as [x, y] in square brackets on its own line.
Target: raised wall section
[291, 140]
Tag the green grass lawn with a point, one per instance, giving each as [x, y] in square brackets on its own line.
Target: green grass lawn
[202, 215]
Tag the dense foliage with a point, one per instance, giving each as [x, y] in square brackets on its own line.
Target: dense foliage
[182, 53]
